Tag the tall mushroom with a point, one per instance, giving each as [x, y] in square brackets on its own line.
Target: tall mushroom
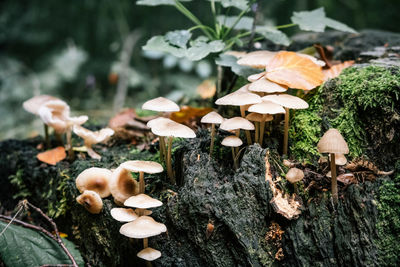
[294, 175]
[212, 118]
[91, 138]
[332, 142]
[288, 102]
[233, 142]
[258, 118]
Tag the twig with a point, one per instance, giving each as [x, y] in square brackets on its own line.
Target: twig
[12, 219]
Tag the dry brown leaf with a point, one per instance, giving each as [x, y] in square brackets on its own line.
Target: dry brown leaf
[122, 118]
[187, 114]
[52, 156]
[335, 70]
[206, 89]
[295, 71]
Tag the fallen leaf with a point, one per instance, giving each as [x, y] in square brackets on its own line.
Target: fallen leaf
[52, 156]
[188, 114]
[206, 89]
[335, 70]
[295, 71]
[122, 118]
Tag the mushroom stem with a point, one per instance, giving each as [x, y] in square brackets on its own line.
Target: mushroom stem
[145, 242]
[234, 158]
[256, 134]
[333, 179]
[243, 114]
[296, 190]
[169, 165]
[59, 138]
[286, 132]
[46, 135]
[237, 135]
[212, 138]
[262, 130]
[92, 153]
[162, 148]
[141, 182]
[71, 154]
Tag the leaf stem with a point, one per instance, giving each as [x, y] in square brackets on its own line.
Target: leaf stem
[286, 26]
[236, 22]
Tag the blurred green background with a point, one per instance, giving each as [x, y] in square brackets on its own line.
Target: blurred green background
[76, 49]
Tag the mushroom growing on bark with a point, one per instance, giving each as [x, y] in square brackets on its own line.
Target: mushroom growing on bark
[294, 175]
[258, 118]
[94, 179]
[332, 142]
[91, 138]
[233, 142]
[212, 118]
[122, 185]
[123, 214]
[91, 201]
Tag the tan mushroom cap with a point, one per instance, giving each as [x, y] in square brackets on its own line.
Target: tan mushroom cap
[257, 59]
[123, 215]
[255, 77]
[161, 104]
[266, 86]
[232, 141]
[142, 201]
[172, 128]
[287, 101]
[94, 179]
[33, 104]
[122, 185]
[332, 142]
[93, 137]
[155, 121]
[294, 175]
[142, 166]
[267, 107]
[253, 116]
[239, 98]
[91, 201]
[340, 159]
[149, 254]
[142, 227]
[236, 123]
[212, 117]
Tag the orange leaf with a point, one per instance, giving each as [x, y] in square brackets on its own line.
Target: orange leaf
[335, 70]
[295, 71]
[52, 156]
[187, 113]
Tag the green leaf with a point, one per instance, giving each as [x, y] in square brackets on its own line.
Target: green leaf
[158, 43]
[316, 20]
[245, 23]
[200, 49]
[158, 2]
[274, 35]
[178, 38]
[20, 247]
[241, 4]
[231, 61]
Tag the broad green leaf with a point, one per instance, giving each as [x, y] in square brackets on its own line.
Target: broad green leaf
[200, 49]
[231, 61]
[274, 35]
[158, 43]
[245, 23]
[21, 247]
[241, 4]
[158, 2]
[316, 20]
[178, 38]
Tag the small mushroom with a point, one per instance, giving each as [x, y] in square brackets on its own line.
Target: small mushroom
[94, 179]
[91, 201]
[123, 214]
[149, 254]
[91, 138]
[257, 59]
[332, 142]
[294, 175]
[142, 201]
[122, 185]
[263, 85]
[255, 77]
[212, 118]
[232, 141]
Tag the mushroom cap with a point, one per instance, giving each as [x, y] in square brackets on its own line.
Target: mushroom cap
[256, 59]
[294, 175]
[91, 201]
[313, 59]
[142, 227]
[94, 179]
[161, 104]
[255, 77]
[142, 201]
[267, 107]
[155, 121]
[33, 104]
[332, 142]
[287, 101]
[340, 159]
[123, 215]
[266, 86]
[239, 98]
[142, 166]
[93, 137]
[212, 117]
[149, 254]
[236, 123]
[122, 185]
[232, 141]
[171, 128]
[253, 116]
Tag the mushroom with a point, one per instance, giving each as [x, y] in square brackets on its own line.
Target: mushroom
[172, 129]
[255, 77]
[142, 202]
[332, 142]
[91, 201]
[142, 167]
[91, 138]
[122, 185]
[263, 85]
[265, 108]
[257, 59]
[258, 118]
[232, 141]
[242, 98]
[94, 179]
[161, 104]
[340, 159]
[123, 214]
[149, 254]
[235, 124]
[288, 102]
[212, 118]
[294, 175]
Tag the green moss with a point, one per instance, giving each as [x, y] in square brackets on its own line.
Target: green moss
[18, 181]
